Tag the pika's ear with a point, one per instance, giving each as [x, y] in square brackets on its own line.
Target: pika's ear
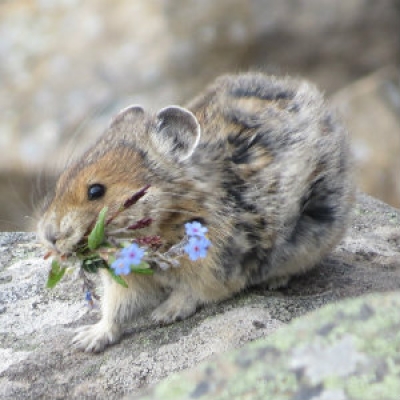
[177, 133]
[128, 114]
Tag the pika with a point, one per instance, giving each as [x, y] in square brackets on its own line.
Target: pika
[261, 161]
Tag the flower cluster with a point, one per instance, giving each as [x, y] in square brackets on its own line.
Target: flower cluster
[102, 248]
[198, 244]
[196, 247]
[128, 257]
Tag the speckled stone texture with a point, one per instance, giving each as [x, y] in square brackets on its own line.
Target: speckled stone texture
[338, 354]
[344, 351]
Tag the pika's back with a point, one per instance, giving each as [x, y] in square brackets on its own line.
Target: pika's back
[285, 175]
[270, 131]
[250, 101]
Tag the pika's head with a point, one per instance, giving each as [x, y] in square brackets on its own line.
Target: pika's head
[138, 149]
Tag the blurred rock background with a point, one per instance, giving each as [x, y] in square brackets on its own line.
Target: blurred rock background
[67, 66]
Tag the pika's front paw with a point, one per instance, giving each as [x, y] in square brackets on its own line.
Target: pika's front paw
[94, 338]
[175, 308]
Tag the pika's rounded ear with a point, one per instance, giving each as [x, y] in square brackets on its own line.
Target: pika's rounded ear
[177, 133]
[127, 114]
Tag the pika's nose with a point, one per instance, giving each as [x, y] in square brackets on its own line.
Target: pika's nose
[50, 235]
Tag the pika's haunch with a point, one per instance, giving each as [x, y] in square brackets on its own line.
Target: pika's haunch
[261, 161]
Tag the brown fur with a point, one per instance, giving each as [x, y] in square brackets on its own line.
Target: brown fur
[261, 161]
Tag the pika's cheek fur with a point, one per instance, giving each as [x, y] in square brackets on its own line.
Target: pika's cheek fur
[262, 161]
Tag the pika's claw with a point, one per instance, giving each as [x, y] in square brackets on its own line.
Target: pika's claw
[95, 338]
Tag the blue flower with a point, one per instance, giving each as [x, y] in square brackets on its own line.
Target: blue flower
[197, 247]
[89, 299]
[121, 266]
[88, 296]
[195, 228]
[133, 253]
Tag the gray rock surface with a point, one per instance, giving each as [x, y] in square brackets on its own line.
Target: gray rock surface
[345, 351]
[36, 360]
[367, 106]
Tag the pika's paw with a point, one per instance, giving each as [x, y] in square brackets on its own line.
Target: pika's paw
[175, 308]
[95, 338]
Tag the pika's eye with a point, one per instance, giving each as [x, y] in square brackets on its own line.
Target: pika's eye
[96, 191]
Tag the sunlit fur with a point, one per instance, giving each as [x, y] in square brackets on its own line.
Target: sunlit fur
[269, 177]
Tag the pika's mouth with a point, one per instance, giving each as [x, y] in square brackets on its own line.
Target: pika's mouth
[65, 248]
[61, 245]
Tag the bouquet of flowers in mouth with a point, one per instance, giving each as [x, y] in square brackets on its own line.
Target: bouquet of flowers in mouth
[139, 254]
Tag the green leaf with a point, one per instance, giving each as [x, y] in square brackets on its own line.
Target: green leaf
[143, 271]
[96, 237]
[92, 265]
[55, 274]
[117, 278]
[142, 268]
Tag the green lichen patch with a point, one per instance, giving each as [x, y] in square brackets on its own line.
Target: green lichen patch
[356, 358]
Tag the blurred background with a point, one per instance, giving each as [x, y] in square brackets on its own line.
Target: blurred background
[67, 66]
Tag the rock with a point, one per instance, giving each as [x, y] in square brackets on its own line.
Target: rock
[36, 360]
[21, 196]
[344, 351]
[371, 109]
